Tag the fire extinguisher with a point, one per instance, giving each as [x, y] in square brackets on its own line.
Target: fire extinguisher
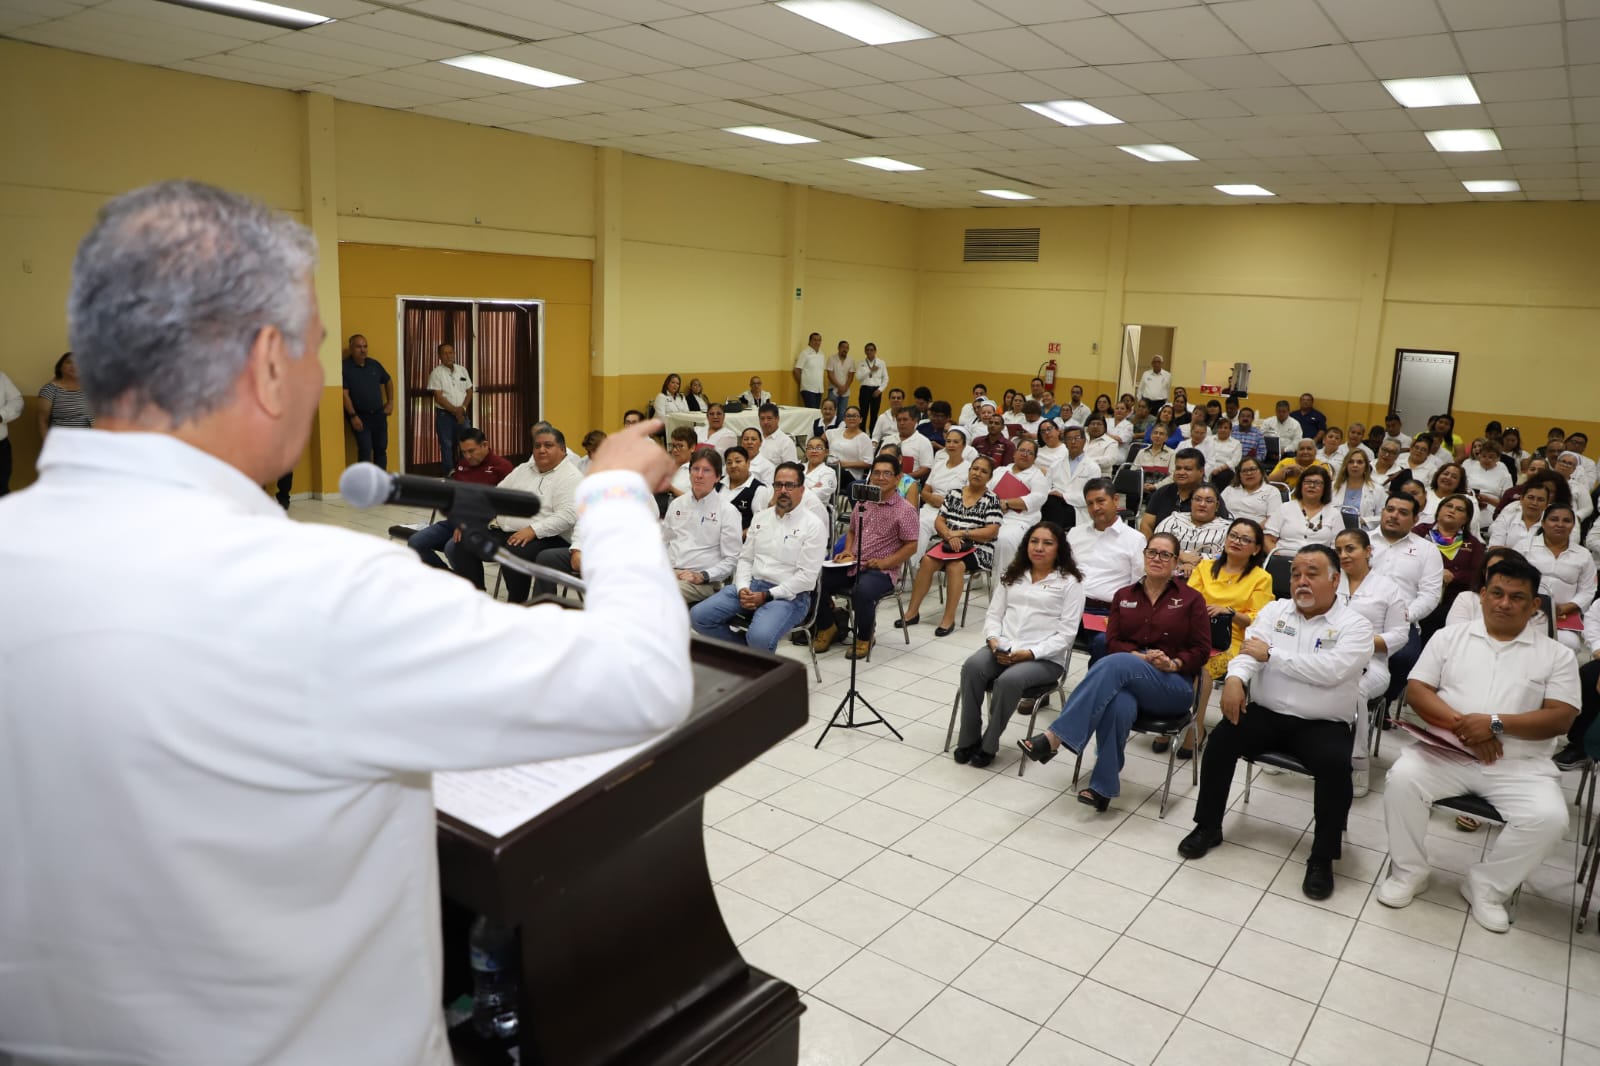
[1048, 373]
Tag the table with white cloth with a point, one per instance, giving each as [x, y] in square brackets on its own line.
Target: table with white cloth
[791, 420]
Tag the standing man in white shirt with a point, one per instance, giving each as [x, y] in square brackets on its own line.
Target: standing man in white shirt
[808, 373]
[1155, 384]
[703, 531]
[297, 679]
[10, 411]
[872, 377]
[451, 386]
[841, 371]
[548, 475]
[1293, 688]
[1417, 567]
[777, 570]
[776, 445]
[1504, 692]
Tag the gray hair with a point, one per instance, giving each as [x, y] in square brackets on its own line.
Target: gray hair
[170, 289]
[541, 428]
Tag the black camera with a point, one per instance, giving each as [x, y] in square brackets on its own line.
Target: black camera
[861, 492]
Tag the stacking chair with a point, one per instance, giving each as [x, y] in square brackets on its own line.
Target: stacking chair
[807, 626]
[1033, 700]
[1128, 482]
[1278, 567]
[1274, 448]
[1171, 726]
[1081, 642]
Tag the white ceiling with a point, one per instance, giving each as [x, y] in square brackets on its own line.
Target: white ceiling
[1280, 93]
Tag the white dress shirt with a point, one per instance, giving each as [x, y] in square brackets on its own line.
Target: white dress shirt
[670, 405]
[1591, 627]
[1380, 601]
[1494, 481]
[1468, 607]
[1294, 530]
[1260, 505]
[1414, 564]
[1224, 455]
[885, 428]
[762, 468]
[786, 550]
[1509, 530]
[556, 491]
[1287, 431]
[1068, 479]
[10, 404]
[918, 447]
[1314, 667]
[1047, 459]
[453, 381]
[680, 479]
[1104, 450]
[873, 372]
[753, 401]
[703, 534]
[1402, 439]
[840, 370]
[1109, 559]
[1337, 462]
[251, 752]
[1073, 414]
[1568, 577]
[1155, 385]
[779, 448]
[971, 411]
[821, 482]
[1477, 674]
[809, 361]
[1041, 617]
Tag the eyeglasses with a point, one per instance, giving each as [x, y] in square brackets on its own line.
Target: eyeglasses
[1236, 538]
[1157, 555]
[783, 485]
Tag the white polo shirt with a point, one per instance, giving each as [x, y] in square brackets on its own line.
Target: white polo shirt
[1477, 674]
[779, 448]
[809, 361]
[1288, 433]
[1314, 668]
[1568, 577]
[703, 534]
[873, 372]
[453, 381]
[10, 404]
[1416, 566]
[1109, 559]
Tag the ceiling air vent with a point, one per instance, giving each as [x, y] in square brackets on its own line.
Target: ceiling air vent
[1001, 246]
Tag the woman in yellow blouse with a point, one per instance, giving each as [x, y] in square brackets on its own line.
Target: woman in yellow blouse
[1236, 586]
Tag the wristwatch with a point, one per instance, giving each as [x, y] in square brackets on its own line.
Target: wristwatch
[705, 578]
[1496, 726]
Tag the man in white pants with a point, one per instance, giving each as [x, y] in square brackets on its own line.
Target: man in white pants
[1505, 693]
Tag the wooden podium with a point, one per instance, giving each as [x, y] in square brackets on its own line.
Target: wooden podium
[625, 958]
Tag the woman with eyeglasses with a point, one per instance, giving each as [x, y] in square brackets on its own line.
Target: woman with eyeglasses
[1028, 631]
[820, 477]
[1250, 496]
[852, 446]
[1021, 512]
[967, 525]
[1198, 529]
[1568, 569]
[1308, 517]
[1382, 603]
[1158, 638]
[827, 418]
[1051, 450]
[1462, 552]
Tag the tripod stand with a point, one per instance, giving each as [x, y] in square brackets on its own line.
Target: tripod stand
[847, 705]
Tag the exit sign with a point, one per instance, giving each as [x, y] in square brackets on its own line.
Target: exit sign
[1053, 348]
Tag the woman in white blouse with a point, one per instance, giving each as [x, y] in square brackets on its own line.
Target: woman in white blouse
[670, 400]
[1568, 569]
[1022, 512]
[1051, 450]
[1449, 480]
[1032, 619]
[1382, 603]
[1198, 529]
[1355, 489]
[1250, 496]
[761, 468]
[820, 478]
[948, 474]
[1307, 518]
[1490, 478]
[851, 445]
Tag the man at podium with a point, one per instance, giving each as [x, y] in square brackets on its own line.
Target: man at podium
[217, 725]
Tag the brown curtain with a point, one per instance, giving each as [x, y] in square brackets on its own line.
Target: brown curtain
[426, 324]
[508, 377]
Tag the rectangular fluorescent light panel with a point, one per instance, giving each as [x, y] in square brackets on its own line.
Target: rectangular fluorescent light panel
[1006, 194]
[1073, 113]
[1244, 190]
[1492, 186]
[1157, 153]
[1433, 92]
[867, 23]
[883, 163]
[767, 133]
[504, 68]
[257, 11]
[1463, 140]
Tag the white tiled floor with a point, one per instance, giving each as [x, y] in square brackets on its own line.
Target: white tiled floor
[935, 913]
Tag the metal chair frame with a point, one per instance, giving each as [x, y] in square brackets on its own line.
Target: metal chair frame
[1172, 727]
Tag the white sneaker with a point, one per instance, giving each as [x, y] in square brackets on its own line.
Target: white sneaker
[1487, 913]
[1273, 770]
[1399, 891]
[1359, 783]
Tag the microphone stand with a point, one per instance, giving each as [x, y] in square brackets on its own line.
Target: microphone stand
[848, 703]
[472, 515]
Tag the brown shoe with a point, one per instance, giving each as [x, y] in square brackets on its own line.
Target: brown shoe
[825, 639]
[860, 651]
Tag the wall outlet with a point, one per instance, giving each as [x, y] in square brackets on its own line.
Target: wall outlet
[1094, 347]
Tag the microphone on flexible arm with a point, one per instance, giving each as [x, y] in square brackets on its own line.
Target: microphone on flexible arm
[364, 485]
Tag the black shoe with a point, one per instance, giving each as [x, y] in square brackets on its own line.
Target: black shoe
[981, 758]
[1319, 879]
[1571, 757]
[943, 631]
[1160, 745]
[397, 532]
[903, 623]
[1199, 842]
[965, 754]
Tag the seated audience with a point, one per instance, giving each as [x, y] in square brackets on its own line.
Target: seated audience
[1224, 454]
[1188, 472]
[1517, 524]
[1582, 502]
[972, 413]
[696, 396]
[995, 442]
[911, 443]
[1460, 552]
[1166, 428]
[1252, 444]
[1293, 688]
[828, 417]
[1330, 453]
[1288, 470]
[755, 395]
[1051, 449]
[1380, 601]
[1200, 529]
[948, 474]
[716, 434]
[1502, 693]
[1236, 586]
[631, 417]
[670, 400]
[1356, 491]
[1102, 447]
[776, 445]
[1308, 517]
[776, 573]
[886, 428]
[852, 446]
[1286, 428]
[591, 440]
[548, 475]
[746, 492]
[1573, 756]
[1388, 465]
[888, 537]
[1490, 480]
[761, 467]
[1109, 552]
[938, 420]
[1156, 462]
[1566, 570]
[479, 465]
[966, 527]
[703, 531]
[1067, 479]
[1022, 512]
[1512, 453]
[821, 480]
[680, 444]
[1250, 496]
[907, 486]
[1158, 639]
[1449, 479]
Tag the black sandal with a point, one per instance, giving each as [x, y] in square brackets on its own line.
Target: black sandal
[1091, 798]
[1038, 748]
[906, 623]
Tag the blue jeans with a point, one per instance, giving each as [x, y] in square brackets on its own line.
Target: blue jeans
[429, 541]
[771, 623]
[372, 439]
[1104, 706]
[447, 426]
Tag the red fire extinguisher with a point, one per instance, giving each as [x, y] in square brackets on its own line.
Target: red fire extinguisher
[1048, 373]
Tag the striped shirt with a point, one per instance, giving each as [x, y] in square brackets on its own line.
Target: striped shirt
[68, 407]
[958, 517]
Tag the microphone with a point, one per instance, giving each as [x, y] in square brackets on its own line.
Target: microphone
[364, 485]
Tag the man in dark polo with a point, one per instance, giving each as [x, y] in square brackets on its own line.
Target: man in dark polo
[479, 465]
[367, 403]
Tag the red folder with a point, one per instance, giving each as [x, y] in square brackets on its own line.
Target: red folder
[1095, 623]
[907, 463]
[939, 551]
[1009, 487]
[1016, 429]
[1572, 623]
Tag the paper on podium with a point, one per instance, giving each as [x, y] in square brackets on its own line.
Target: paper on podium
[1010, 487]
[498, 800]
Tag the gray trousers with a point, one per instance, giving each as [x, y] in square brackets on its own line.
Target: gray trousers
[1009, 683]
